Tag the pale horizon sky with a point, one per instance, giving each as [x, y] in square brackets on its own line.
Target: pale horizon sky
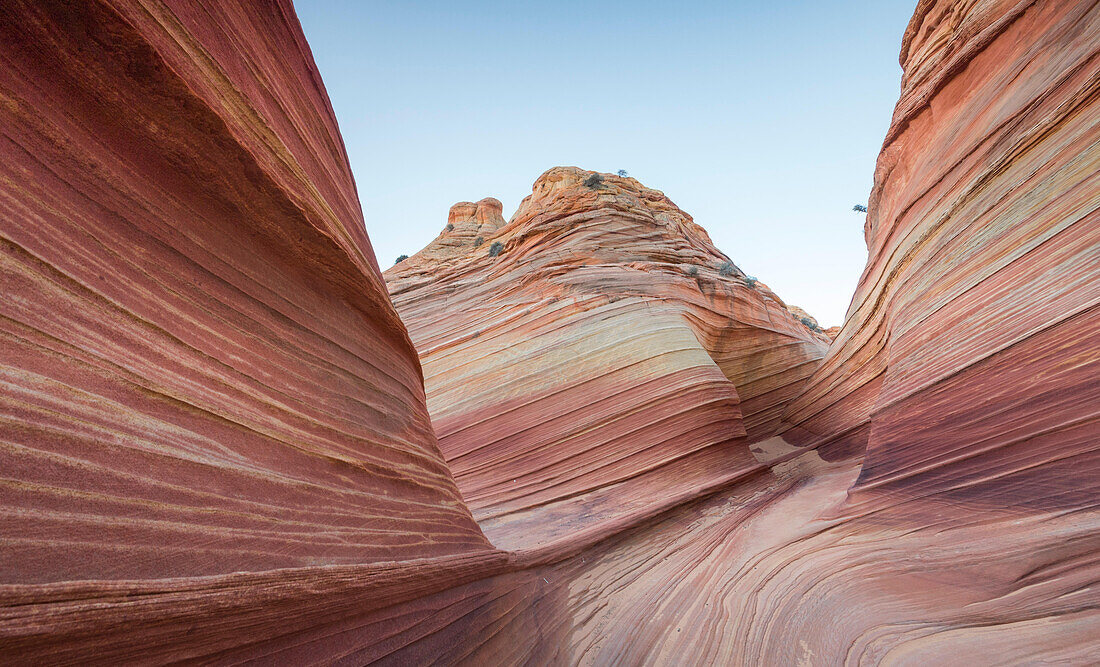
[762, 122]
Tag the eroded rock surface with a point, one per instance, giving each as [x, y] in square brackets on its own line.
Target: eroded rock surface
[215, 443]
[932, 495]
[208, 403]
[967, 366]
[596, 359]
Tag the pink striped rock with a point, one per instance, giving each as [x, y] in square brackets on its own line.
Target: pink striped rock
[596, 359]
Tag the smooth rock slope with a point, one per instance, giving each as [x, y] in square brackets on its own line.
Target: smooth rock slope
[933, 493]
[208, 403]
[968, 365]
[197, 344]
[215, 442]
[595, 359]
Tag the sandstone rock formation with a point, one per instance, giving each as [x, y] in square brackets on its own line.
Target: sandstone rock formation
[194, 328]
[215, 443]
[966, 375]
[967, 366]
[595, 360]
[468, 225]
[942, 468]
[203, 376]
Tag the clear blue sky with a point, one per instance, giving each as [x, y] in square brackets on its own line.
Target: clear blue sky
[762, 120]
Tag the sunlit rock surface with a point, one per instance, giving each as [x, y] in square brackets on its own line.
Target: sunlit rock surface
[596, 359]
[215, 443]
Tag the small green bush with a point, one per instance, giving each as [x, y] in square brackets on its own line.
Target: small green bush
[495, 249]
[728, 269]
[450, 227]
[478, 241]
[751, 282]
[693, 271]
[594, 181]
[401, 258]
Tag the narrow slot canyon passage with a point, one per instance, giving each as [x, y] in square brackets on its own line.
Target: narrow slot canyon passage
[582, 435]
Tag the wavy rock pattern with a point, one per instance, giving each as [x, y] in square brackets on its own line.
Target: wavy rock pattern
[214, 437]
[952, 492]
[967, 366]
[202, 373]
[594, 359]
[771, 573]
[966, 373]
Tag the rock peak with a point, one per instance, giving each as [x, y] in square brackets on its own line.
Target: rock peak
[574, 217]
[535, 343]
[601, 188]
[468, 225]
[487, 212]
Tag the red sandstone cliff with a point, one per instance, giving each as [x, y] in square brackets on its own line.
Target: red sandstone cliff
[967, 366]
[215, 442]
[933, 498]
[595, 359]
[208, 401]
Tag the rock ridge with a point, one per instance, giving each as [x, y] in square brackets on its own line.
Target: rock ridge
[219, 444]
[559, 353]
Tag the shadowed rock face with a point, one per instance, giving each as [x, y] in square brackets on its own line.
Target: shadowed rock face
[214, 437]
[967, 366]
[595, 359]
[201, 371]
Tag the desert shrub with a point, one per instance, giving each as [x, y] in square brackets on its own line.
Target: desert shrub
[859, 208]
[728, 269]
[401, 258]
[751, 282]
[811, 325]
[478, 241]
[594, 181]
[450, 227]
[622, 173]
[693, 271]
[495, 249]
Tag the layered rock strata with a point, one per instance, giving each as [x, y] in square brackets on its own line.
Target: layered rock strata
[208, 404]
[968, 366]
[214, 439]
[594, 359]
